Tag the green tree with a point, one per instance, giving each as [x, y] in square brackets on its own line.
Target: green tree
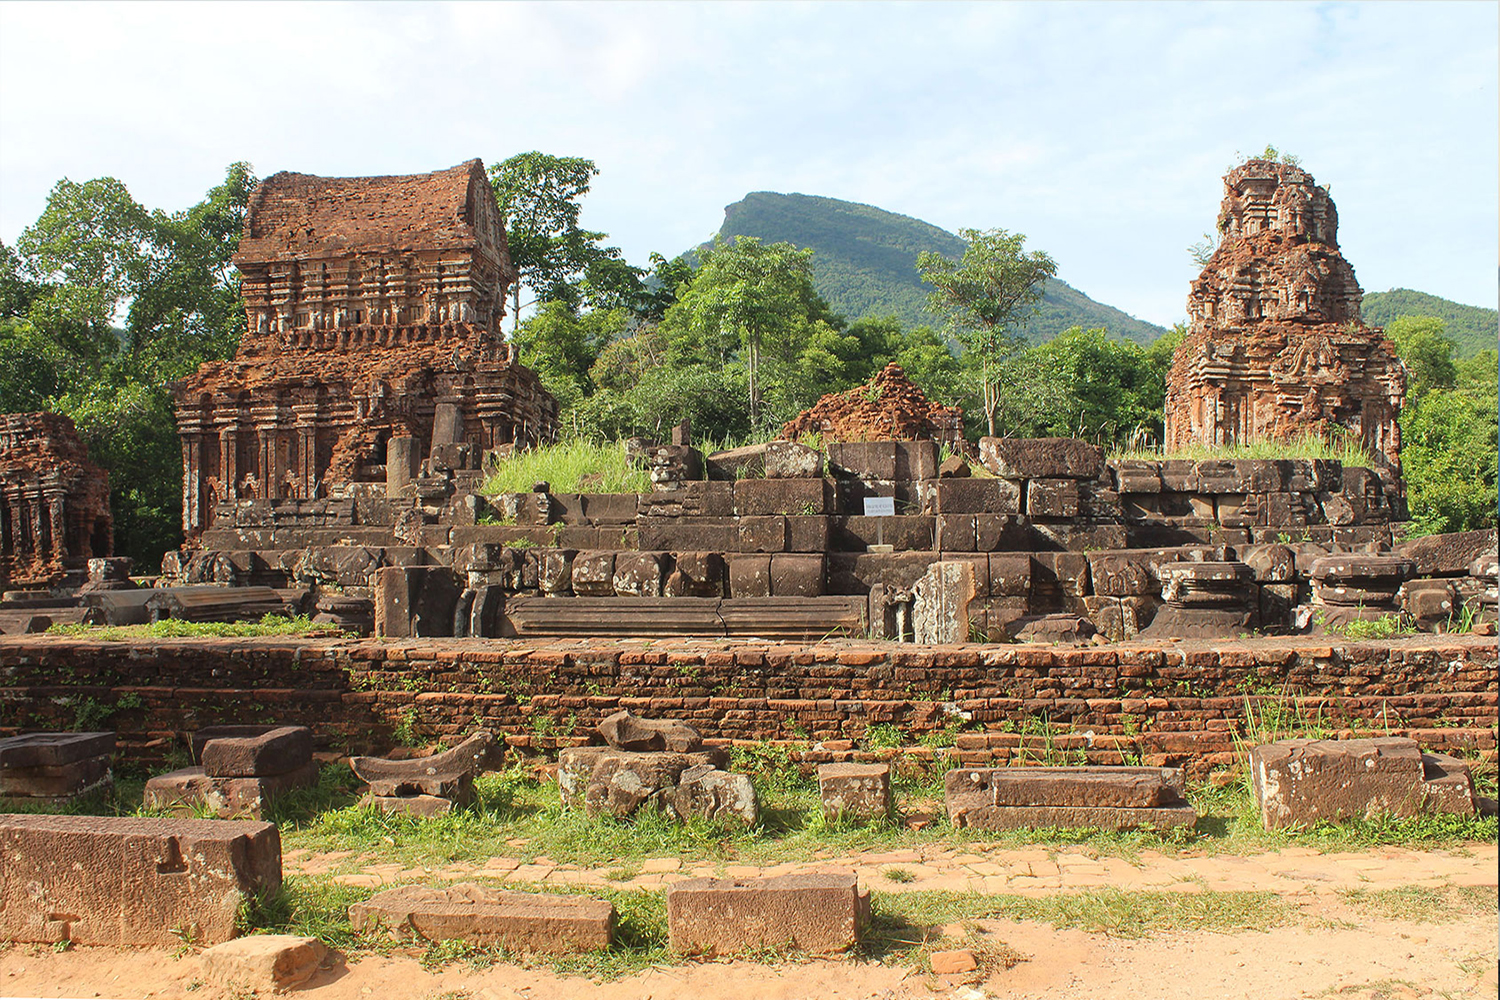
[1426, 352]
[987, 296]
[558, 260]
[755, 300]
[1449, 440]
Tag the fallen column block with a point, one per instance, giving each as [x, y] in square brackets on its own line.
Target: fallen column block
[1302, 782]
[272, 752]
[815, 913]
[264, 961]
[125, 881]
[1106, 798]
[517, 921]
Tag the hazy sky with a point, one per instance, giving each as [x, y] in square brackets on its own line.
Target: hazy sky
[1101, 131]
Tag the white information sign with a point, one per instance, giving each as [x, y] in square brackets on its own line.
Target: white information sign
[880, 506]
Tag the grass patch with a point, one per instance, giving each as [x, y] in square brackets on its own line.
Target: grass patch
[1424, 904]
[568, 467]
[1342, 448]
[172, 628]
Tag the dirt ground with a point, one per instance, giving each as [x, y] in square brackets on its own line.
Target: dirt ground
[1334, 951]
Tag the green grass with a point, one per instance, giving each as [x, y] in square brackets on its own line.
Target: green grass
[1423, 904]
[569, 467]
[1343, 449]
[172, 628]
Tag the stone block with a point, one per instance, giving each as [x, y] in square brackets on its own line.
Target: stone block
[797, 574]
[791, 460]
[738, 463]
[808, 533]
[54, 749]
[855, 791]
[1122, 574]
[956, 532]
[976, 496]
[1447, 786]
[639, 574]
[188, 791]
[1136, 476]
[415, 601]
[815, 913]
[1108, 798]
[60, 781]
[764, 534]
[705, 792]
[1010, 575]
[609, 508]
[416, 806]
[1270, 563]
[554, 573]
[276, 751]
[1052, 498]
[1050, 629]
[1429, 600]
[626, 731]
[696, 574]
[1067, 572]
[749, 575]
[263, 961]
[126, 881]
[757, 497]
[863, 459]
[594, 574]
[904, 533]
[1301, 782]
[1041, 458]
[520, 922]
[940, 603]
[704, 534]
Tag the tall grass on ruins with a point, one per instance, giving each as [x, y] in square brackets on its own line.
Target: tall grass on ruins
[568, 467]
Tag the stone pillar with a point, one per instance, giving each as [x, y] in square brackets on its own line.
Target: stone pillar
[57, 510]
[400, 464]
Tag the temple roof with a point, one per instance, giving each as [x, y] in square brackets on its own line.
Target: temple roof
[297, 216]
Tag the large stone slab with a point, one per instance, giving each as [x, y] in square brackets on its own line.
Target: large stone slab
[816, 913]
[516, 921]
[1108, 798]
[60, 782]
[1447, 554]
[448, 775]
[1300, 782]
[54, 749]
[189, 791]
[126, 881]
[276, 751]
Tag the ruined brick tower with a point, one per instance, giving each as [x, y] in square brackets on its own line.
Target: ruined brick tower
[54, 502]
[1276, 348]
[373, 308]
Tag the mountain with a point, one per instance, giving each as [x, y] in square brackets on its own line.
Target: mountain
[1471, 328]
[865, 263]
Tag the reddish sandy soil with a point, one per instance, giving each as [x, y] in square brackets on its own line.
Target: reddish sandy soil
[1335, 951]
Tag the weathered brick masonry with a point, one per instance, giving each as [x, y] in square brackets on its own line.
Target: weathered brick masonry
[1182, 704]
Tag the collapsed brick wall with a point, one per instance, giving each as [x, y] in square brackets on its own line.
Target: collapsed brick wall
[1182, 704]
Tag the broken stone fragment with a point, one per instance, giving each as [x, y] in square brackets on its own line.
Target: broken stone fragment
[705, 792]
[625, 731]
[448, 775]
[1106, 798]
[275, 751]
[604, 780]
[264, 961]
[855, 791]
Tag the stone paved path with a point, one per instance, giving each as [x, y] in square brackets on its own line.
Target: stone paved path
[979, 868]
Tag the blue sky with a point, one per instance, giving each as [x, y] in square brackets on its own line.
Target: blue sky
[1100, 130]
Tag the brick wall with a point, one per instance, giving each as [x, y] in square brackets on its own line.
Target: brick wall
[1183, 704]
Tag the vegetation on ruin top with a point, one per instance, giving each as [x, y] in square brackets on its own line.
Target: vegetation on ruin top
[173, 628]
[574, 466]
[1343, 449]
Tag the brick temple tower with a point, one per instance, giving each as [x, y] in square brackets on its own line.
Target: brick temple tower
[373, 307]
[1276, 348]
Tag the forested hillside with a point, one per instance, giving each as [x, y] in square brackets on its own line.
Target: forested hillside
[865, 263]
[1471, 328]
